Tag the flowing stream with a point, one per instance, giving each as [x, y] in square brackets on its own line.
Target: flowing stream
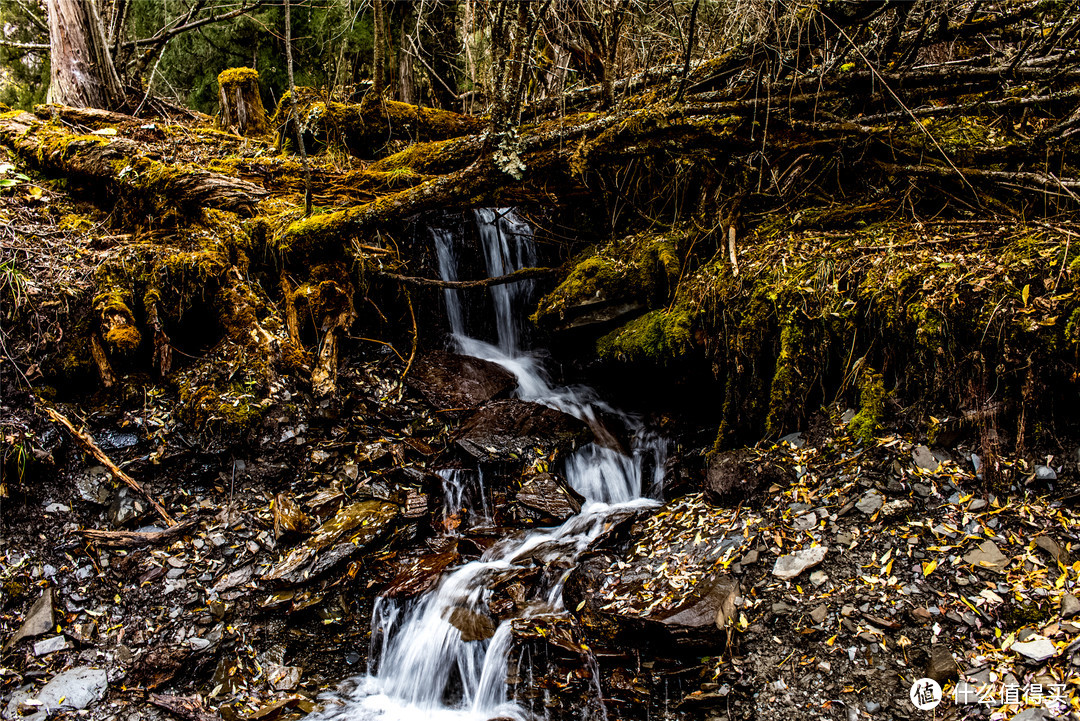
[419, 666]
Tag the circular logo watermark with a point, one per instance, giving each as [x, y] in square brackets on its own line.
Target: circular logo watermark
[925, 694]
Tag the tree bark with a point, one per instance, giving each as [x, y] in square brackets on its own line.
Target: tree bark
[82, 73]
[241, 104]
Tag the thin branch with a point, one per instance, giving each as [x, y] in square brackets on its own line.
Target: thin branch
[515, 277]
[165, 34]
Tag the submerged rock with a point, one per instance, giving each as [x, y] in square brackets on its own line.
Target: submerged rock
[449, 380]
[473, 626]
[508, 430]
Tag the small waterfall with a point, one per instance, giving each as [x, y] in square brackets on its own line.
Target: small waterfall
[421, 668]
[447, 258]
[508, 246]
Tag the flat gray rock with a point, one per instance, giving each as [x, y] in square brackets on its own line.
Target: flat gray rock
[51, 645]
[1036, 649]
[870, 502]
[39, 620]
[1070, 606]
[791, 565]
[74, 689]
[923, 458]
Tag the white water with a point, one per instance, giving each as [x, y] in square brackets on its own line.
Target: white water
[419, 666]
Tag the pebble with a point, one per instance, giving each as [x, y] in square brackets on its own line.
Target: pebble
[818, 614]
[1070, 606]
[818, 577]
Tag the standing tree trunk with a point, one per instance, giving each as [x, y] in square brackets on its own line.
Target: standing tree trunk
[82, 71]
[241, 105]
[378, 70]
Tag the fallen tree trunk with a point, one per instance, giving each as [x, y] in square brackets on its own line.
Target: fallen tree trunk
[125, 169]
[365, 128]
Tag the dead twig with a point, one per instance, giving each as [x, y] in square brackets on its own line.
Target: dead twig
[136, 539]
[84, 438]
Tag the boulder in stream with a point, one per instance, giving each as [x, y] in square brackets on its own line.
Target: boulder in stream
[449, 380]
[509, 430]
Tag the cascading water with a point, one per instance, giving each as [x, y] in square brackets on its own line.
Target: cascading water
[420, 667]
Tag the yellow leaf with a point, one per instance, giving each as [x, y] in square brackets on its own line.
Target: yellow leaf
[928, 568]
[1025, 294]
[580, 606]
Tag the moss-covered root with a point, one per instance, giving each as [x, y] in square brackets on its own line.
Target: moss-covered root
[112, 305]
[241, 105]
[867, 422]
[328, 298]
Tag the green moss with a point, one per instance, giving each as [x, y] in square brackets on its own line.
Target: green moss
[232, 76]
[658, 337]
[788, 381]
[642, 269]
[867, 422]
[124, 338]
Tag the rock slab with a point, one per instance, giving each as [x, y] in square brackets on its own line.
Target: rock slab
[793, 564]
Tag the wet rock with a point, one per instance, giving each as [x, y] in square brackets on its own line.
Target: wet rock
[421, 574]
[448, 380]
[550, 496]
[941, 666]
[283, 678]
[126, 507]
[737, 476]
[701, 621]
[39, 620]
[923, 458]
[509, 430]
[288, 516]
[791, 565]
[347, 534]
[74, 689]
[988, 556]
[1037, 648]
[473, 626]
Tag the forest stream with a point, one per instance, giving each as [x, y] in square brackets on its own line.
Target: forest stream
[488, 360]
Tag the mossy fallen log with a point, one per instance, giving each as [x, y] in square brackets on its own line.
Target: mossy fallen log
[124, 168]
[365, 128]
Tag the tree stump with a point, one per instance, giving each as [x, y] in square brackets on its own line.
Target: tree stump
[241, 105]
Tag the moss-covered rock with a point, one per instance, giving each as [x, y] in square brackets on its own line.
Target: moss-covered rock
[624, 277]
